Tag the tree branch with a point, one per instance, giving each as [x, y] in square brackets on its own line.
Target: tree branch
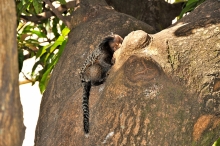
[45, 15]
[24, 82]
[27, 77]
[57, 13]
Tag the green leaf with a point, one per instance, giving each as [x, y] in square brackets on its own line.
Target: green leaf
[179, 1]
[33, 54]
[187, 9]
[217, 143]
[23, 2]
[31, 9]
[26, 1]
[61, 49]
[65, 31]
[34, 42]
[191, 2]
[44, 58]
[49, 57]
[35, 66]
[20, 59]
[45, 78]
[62, 26]
[27, 28]
[42, 86]
[62, 1]
[190, 5]
[55, 57]
[19, 5]
[23, 7]
[31, 45]
[47, 26]
[38, 33]
[54, 27]
[58, 42]
[43, 50]
[53, 62]
[37, 6]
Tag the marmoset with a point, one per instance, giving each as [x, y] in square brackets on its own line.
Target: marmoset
[95, 70]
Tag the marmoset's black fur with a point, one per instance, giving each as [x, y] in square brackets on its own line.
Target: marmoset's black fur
[95, 69]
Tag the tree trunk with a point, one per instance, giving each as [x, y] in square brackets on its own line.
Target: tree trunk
[157, 13]
[11, 115]
[162, 90]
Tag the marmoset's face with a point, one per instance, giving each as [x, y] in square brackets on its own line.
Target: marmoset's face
[116, 44]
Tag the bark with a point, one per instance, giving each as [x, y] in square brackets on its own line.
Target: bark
[157, 13]
[162, 90]
[11, 115]
[98, 10]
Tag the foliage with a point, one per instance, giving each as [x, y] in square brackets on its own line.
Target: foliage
[44, 40]
[189, 6]
[217, 143]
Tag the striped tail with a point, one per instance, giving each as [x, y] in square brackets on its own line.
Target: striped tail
[86, 90]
